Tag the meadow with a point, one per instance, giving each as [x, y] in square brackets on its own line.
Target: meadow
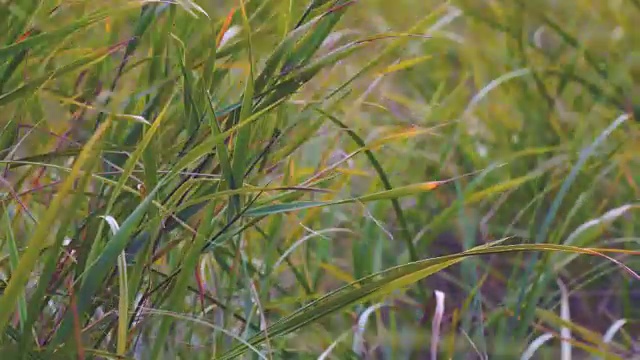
[319, 179]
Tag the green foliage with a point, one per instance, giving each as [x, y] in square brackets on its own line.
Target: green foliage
[244, 179]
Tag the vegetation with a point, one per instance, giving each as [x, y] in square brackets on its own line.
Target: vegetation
[281, 179]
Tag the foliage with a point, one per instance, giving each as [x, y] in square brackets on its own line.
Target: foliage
[277, 179]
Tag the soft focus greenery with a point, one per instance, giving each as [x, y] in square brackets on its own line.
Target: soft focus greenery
[282, 179]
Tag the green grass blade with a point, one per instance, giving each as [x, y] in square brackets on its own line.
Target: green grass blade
[542, 233]
[382, 284]
[105, 263]
[408, 190]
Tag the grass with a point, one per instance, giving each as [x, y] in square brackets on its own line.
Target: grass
[325, 179]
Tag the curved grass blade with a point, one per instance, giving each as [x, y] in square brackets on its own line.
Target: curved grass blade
[383, 178]
[384, 283]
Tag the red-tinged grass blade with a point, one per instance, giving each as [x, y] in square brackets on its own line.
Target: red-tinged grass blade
[20, 25]
[471, 194]
[225, 26]
[48, 38]
[40, 236]
[39, 297]
[383, 283]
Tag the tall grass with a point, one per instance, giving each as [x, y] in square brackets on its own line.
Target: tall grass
[278, 179]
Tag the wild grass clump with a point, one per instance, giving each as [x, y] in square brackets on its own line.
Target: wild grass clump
[331, 179]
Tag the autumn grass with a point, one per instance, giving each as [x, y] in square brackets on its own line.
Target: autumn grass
[332, 179]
